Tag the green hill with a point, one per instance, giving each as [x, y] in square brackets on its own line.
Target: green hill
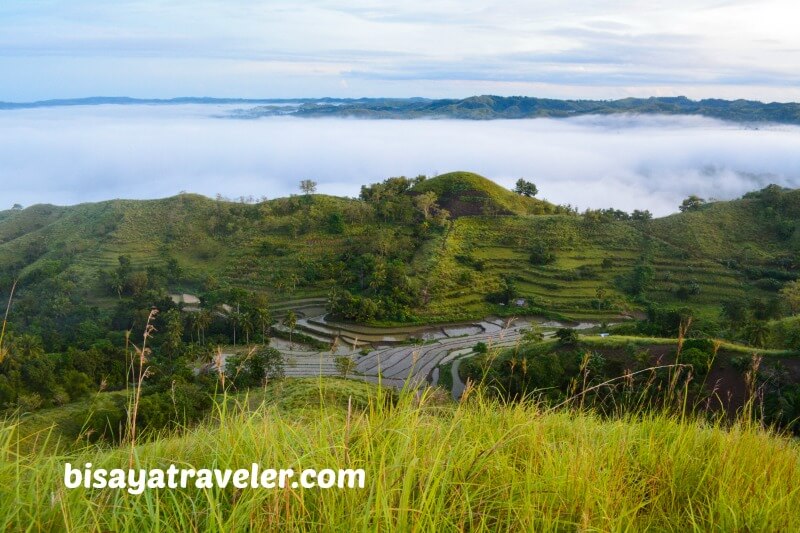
[595, 265]
[468, 194]
[737, 250]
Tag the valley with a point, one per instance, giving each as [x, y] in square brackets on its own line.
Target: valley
[420, 283]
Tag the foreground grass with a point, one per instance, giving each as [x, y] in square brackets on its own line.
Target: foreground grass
[479, 465]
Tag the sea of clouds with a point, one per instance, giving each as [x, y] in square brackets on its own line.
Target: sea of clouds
[90, 153]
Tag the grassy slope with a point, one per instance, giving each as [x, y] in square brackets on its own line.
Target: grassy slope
[503, 245]
[726, 230]
[455, 189]
[233, 242]
[207, 237]
[477, 465]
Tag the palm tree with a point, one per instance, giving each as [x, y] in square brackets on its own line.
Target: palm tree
[290, 321]
[235, 317]
[247, 324]
[202, 321]
[263, 318]
[27, 346]
[757, 333]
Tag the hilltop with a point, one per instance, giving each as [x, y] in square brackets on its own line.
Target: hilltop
[469, 194]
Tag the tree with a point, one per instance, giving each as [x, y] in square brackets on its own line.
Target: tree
[567, 336]
[27, 346]
[640, 278]
[173, 333]
[335, 223]
[692, 203]
[235, 318]
[255, 368]
[308, 186]
[125, 267]
[17, 207]
[247, 323]
[508, 289]
[115, 283]
[757, 333]
[263, 319]
[202, 320]
[425, 202]
[541, 255]
[791, 295]
[526, 188]
[137, 283]
[174, 270]
[290, 321]
[735, 311]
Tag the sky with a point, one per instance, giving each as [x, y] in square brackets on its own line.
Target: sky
[431, 48]
[78, 154]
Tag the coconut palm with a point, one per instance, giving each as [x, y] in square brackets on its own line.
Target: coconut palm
[235, 318]
[290, 321]
[247, 324]
[204, 320]
[263, 318]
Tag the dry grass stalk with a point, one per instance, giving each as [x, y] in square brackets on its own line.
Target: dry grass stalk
[142, 373]
[3, 350]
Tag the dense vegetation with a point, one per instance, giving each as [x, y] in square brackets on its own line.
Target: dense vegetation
[640, 374]
[408, 250]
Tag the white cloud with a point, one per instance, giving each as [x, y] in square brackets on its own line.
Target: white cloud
[70, 155]
[432, 48]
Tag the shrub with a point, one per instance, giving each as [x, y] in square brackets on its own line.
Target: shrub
[29, 402]
[541, 255]
[255, 368]
[335, 223]
[344, 365]
[104, 418]
[699, 360]
[567, 336]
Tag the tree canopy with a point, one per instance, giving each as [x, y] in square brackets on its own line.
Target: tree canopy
[526, 188]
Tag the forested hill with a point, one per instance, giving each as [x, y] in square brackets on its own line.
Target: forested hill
[485, 107]
[517, 107]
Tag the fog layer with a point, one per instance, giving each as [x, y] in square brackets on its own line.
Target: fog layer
[67, 156]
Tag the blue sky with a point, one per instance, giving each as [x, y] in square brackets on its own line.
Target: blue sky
[575, 49]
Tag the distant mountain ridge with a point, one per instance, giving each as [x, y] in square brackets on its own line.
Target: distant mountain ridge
[486, 107]
[520, 107]
[125, 100]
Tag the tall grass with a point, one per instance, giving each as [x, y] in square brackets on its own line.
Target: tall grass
[430, 466]
[3, 349]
